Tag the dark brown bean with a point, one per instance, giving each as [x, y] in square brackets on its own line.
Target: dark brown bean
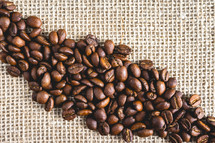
[203, 139]
[140, 116]
[53, 37]
[35, 32]
[75, 68]
[84, 112]
[42, 97]
[127, 135]
[123, 49]
[146, 64]
[4, 23]
[195, 100]
[103, 103]
[10, 60]
[121, 73]
[100, 115]
[23, 65]
[167, 116]
[171, 83]
[34, 22]
[59, 100]
[91, 123]
[104, 128]
[19, 42]
[50, 104]
[155, 73]
[13, 29]
[160, 87]
[91, 40]
[185, 136]
[21, 25]
[109, 90]
[185, 124]
[135, 84]
[112, 119]
[164, 75]
[13, 71]
[116, 129]
[195, 131]
[128, 121]
[69, 114]
[145, 132]
[199, 113]
[175, 138]
[158, 123]
[203, 126]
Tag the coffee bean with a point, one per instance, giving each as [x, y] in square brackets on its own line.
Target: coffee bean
[158, 123]
[175, 138]
[104, 63]
[69, 114]
[13, 71]
[103, 103]
[91, 39]
[61, 84]
[148, 106]
[123, 49]
[116, 129]
[10, 60]
[195, 131]
[50, 104]
[171, 83]
[160, 87]
[61, 35]
[35, 32]
[176, 102]
[185, 124]
[100, 115]
[91, 123]
[109, 47]
[95, 59]
[4, 12]
[46, 81]
[42, 40]
[116, 62]
[101, 52]
[53, 37]
[135, 84]
[3, 56]
[127, 135]
[97, 82]
[21, 25]
[203, 139]
[164, 75]
[120, 113]
[121, 73]
[4, 23]
[109, 76]
[146, 64]
[67, 105]
[211, 120]
[140, 116]
[75, 68]
[89, 50]
[69, 43]
[155, 73]
[13, 29]
[190, 118]
[185, 136]
[14, 49]
[104, 128]
[174, 128]
[109, 90]
[145, 132]
[203, 126]
[162, 133]
[130, 111]
[34, 22]
[84, 112]
[162, 106]
[169, 93]
[151, 96]
[77, 55]
[167, 116]
[128, 121]
[145, 84]
[195, 100]
[78, 89]
[120, 56]
[199, 113]
[135, 70]
[138, 126]
[42, 97]
[19, 42]
[138, 105]
[112, 119]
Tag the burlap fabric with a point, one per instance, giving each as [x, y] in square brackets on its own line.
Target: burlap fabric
[178, 35]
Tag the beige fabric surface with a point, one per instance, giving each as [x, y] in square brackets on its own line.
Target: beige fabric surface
[176, 34]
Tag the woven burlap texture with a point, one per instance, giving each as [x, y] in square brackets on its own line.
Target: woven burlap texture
[178, 35]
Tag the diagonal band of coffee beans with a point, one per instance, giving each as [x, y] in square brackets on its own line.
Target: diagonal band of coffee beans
[86, 78]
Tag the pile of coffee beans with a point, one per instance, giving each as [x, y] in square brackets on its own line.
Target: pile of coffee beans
[88, 78]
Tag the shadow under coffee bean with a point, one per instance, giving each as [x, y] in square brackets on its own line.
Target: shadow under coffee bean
[85, 78]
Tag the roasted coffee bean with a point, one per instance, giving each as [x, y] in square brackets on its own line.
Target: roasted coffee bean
[60, 56]
[66, 50]
[86, 61]
[46, 81]
[127, 135]
[121, 73]
[104, 128]
[152, 86]
[116, 62]
[135, 84]
[112, 119]
[127, 63]
[179, 115]
[18, 56]
[145, 84]
[89, 50]
[199, 113]
[23, 65]
[67, 105]
[14, 49]
[185, 124]
[109, 76]
[78, 89]
[75, 68]
[3, 56]
[34, 86]
[160, 87]
[4, 23]
[97, 82]
[148, 106]
[99, 94]
[34, 46]
[164, 75]
[195, 131]
[24, 36]
[131, 98]
[128, 121]
[120, 56]
[53, 37]
[211, 120]
[69, 43]
[135, 70]
[4, 12]
[50, 104]
[42, 97]
[167, 116]
[140, 116]
[203, 126]
[155, 74]
[162, 106]
[12, 29]
[101, 52]
[16, 17]
[109, 47]
[158, 123]
[61, 35]
[86, 82]
[171, 83]
[91, 123]
[123, 49]
[95, 59]
[81, 105]
[175, 138]
[176, 102]
[17, 41]
[116, 129]
[103, 103]
[122, 99]
[162, 133]
[104, 63]
[145, 132]
[169, 93]
[109, 90]
[59, 100]
[61, 84]
[10, 60]
[130, 111]
[146, 64]
[145, 75]
[185, 136]
[195, 100]
[69, 114]
[120, 86]
[151, 96]
[56, 92]
[120, 113]
[34, 22]
[190, 118]
[185, 105]
[138, 126]
[155, 113]
[91, 39]
[42, 40]
[138, 105]
[21, 25]
[100, 115]
[77, 55]
[13, 71]
[89, 94]
[203, 139]
[35, 32]
[84, 112]
[174, 128]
